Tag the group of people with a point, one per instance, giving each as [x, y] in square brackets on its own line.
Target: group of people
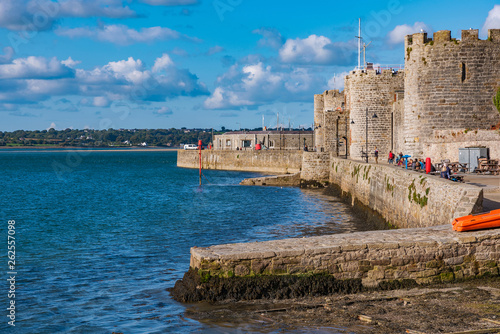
[415, 164]
[315, 149]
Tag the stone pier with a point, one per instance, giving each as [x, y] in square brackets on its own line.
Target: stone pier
[421, 255]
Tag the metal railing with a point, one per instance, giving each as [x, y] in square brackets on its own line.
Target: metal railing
[379, 67]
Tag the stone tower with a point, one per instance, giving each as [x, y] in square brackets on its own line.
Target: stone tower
[449, 85]
[377, 91]
[329, 121]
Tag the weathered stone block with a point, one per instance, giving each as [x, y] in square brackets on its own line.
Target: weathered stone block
[260, 266]
[454, 260]
[241, 270]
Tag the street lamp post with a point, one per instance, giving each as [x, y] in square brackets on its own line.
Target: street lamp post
[337, 132]
[374, 116]
[346, 120]
[366, 135]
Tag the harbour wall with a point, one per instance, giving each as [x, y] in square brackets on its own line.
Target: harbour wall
[266, 161]
[376, 259]
[423, 251]
[315, 168]
[405, 199]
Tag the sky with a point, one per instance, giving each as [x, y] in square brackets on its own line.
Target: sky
[103, 64]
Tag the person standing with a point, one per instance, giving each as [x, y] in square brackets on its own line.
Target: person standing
[376, 155]
[391, 157]
[445, 171]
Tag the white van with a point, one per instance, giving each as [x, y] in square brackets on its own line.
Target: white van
[190, 147]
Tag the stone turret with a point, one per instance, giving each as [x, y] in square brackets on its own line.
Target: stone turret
[449, 85]
[377, 91]
[319, 111]
[329, 118]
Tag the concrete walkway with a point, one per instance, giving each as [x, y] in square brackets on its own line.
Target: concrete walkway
[491, 189]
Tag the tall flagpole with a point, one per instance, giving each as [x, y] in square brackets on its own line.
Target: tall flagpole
[359, 44]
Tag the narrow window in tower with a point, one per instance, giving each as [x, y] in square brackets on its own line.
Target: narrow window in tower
[464, 72]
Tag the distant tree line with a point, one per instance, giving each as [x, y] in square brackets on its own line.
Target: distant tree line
[113, 137]
[105, 138]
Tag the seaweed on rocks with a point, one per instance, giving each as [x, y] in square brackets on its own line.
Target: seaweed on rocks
[192, 289]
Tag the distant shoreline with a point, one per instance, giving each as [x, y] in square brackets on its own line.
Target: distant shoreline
[93, 149]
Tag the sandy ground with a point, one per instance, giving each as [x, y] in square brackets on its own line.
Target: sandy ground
[472, 306]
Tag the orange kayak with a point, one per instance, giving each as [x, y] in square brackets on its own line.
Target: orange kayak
[478, 221]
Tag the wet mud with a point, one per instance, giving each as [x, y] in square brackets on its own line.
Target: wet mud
[471, 307]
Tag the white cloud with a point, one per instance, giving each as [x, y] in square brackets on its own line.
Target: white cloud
[337, 81]
[316, 50]
[170, 2]
[222, 99]
[7, 56]
[94, 8]
[492, 21]
[101, 101]
[52, 126]
[271, 37]
[257, 76]
[255, 84]
[70, 62]
[163, 111]
[162, 63]
[397, 35]
[35, 68]
[131, 70]
[35, 79]
[41, 14]
[121, 34]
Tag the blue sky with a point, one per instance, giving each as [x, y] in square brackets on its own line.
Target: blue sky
[197, 63]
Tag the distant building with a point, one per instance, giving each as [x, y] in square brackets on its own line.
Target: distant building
[272, 140]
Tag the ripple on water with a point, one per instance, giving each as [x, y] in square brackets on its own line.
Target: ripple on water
[99, 244]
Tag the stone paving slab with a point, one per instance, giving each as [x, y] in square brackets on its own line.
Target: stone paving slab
[437, 236]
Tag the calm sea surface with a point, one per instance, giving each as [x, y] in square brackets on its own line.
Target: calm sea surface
[100, 236]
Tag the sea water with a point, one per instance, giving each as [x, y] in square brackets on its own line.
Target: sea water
[100, 236]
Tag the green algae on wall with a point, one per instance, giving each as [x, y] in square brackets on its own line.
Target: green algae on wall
[414, 196]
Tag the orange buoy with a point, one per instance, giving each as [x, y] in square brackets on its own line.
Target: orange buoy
[478, 221]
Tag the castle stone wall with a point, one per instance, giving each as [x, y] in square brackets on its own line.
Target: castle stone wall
[315, 166]
[398, 130]
[449, 85]
[377, 92]
[319, 119]
[446, 143]
[405, 198]
[330, 120]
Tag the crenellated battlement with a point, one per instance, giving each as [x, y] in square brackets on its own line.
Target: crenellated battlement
[446, 84]
[444, 36]
[449, 84]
